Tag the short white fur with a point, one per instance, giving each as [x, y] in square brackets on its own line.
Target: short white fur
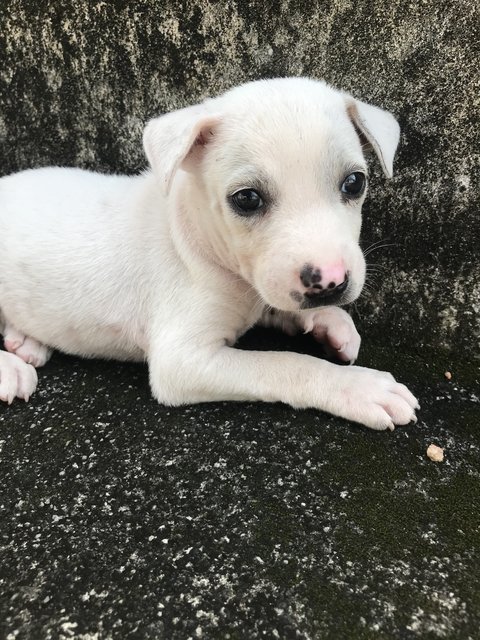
[160, 267]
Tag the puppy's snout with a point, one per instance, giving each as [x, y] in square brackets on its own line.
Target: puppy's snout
[325, 278]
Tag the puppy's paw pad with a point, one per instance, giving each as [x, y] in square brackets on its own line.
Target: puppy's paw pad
[17, 379]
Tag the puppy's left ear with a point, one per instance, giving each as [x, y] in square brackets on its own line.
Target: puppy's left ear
[178, 139]
[379, 128]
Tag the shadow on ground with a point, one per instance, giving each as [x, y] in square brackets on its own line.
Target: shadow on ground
[121, 518]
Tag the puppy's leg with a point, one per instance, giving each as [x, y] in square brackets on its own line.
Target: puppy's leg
[334, 328]
[286, 322]
[184, 373]
[29, 350]
[331, 326]
[17, 378]
[12, 339]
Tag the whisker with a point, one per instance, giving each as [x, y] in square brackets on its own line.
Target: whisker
[369, 286]
[375, 269]
[355, 309]
[380, 246]
[376, 265]
[373, 244]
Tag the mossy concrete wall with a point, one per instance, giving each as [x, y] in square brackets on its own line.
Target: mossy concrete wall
[79, 79]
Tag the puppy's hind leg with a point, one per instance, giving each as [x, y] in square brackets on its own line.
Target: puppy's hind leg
[28, 349]
[17, 378]
[12, 339]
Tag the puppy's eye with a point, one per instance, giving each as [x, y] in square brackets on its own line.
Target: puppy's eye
[354, 185]
[247, 202]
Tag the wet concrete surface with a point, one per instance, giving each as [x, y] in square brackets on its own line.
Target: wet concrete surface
[121, 518]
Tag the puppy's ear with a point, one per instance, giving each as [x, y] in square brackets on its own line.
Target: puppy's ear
[178, 138]
[378, 128]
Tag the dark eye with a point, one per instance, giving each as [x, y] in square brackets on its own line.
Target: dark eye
[354, 185]
[247, 201]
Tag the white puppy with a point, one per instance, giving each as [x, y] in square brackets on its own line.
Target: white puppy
[251, 212]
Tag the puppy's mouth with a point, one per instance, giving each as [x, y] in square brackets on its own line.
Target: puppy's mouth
[313, 297]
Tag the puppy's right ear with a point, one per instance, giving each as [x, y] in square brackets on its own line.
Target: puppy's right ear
[178, 139]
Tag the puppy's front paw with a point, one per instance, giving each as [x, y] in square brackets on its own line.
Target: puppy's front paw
[334, 328]
[17, 378]
[375, 399]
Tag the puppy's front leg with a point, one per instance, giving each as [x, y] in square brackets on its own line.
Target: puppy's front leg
[185, 374]
[335, 328]
[286, 321]
[332, 326]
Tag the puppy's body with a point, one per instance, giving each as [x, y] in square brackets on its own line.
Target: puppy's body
[167, 267]
[87, 295]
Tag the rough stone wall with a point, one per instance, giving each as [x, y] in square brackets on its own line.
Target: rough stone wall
[78, 79]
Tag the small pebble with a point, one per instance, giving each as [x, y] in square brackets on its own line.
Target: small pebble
[435, 453]
[448, 375]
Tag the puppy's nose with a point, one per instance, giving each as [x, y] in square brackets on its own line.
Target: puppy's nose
[326, 278]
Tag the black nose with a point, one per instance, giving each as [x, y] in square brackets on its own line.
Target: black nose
[327, 293]
[320, 297]
[309, 276]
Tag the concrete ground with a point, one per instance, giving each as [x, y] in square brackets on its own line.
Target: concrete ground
[124, 519]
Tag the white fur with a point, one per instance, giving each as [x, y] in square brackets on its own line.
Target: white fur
[159, 266]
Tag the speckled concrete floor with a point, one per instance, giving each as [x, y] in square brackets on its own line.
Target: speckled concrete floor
[124, 519]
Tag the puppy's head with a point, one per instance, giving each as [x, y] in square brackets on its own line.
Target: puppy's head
[274, 175]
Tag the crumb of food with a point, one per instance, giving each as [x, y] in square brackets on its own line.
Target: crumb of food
[448, 375]
[435, 453]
